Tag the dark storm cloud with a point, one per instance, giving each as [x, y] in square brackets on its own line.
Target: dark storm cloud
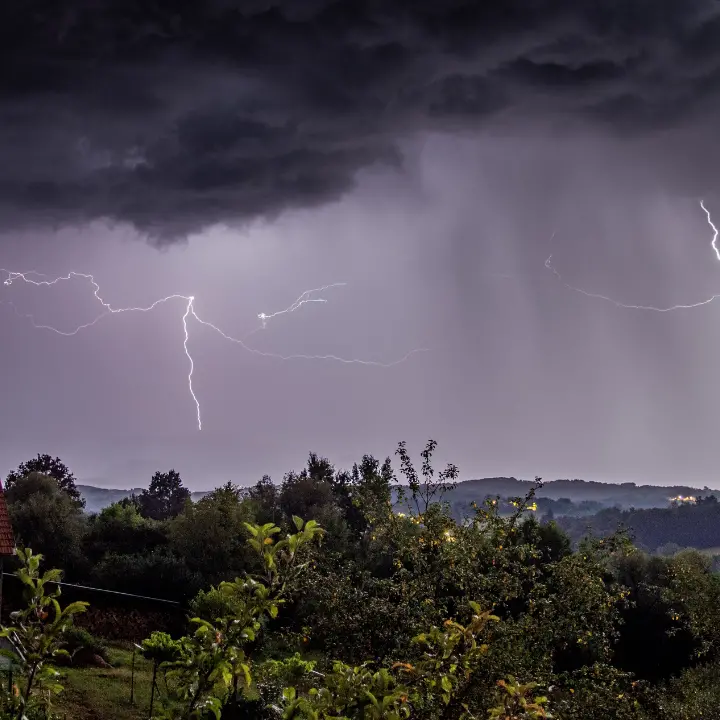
[176, 114]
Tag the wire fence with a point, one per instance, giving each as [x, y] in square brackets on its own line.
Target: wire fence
[111, 614]
[9, 669]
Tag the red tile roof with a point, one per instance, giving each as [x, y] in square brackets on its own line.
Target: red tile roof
[7, 538]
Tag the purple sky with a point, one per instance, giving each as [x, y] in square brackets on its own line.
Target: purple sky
[433, 171]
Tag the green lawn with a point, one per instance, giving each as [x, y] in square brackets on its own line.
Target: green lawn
[104, 693]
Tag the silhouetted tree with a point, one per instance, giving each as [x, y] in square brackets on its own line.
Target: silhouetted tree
[165, 498]
[430, 489]
[361, 492]
[304, 493]
[52, 467]
[265, 499]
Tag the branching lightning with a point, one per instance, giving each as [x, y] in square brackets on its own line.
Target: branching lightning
[670, 308]
[306, 297]
[309, 296]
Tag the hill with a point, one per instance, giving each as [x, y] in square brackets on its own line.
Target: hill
[97, 498]
[578, 491]
[568, 497]
[655, 530]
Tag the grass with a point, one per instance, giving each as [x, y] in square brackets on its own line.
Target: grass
[99, 693]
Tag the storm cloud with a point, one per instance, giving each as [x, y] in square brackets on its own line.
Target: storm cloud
[173, 115]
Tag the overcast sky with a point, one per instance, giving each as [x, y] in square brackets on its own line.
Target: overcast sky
[429, 155]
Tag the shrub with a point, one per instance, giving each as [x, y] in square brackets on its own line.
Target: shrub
[83, 645]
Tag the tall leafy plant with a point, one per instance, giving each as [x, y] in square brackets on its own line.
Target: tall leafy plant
[36, 637]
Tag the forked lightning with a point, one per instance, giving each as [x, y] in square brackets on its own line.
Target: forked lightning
[309, 296]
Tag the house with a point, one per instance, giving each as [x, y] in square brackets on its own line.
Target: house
[7, 538]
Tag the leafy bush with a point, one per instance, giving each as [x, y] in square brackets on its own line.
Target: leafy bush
[213, 603]
[160, 648]
[159, 573]
[83, 645]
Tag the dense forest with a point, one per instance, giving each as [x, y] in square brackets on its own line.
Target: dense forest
[358, 593]
[656, 530]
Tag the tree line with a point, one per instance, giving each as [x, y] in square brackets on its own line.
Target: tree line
[695, 525]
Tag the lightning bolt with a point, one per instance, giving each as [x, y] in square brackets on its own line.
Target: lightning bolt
[306, 297]
[617, 303]
[309, 296]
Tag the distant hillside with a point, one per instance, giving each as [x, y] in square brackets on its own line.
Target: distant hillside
[97, 498]
[609, 494]
[625, 495]
[579, 497]
[661, 530]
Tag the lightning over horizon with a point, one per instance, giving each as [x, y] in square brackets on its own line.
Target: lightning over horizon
[597, 296]
[309, 296]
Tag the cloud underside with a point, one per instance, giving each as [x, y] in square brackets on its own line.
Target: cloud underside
[174, 116]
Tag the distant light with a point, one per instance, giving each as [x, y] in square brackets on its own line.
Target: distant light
[684, 499]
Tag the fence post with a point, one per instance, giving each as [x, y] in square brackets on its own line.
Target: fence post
[132, 679]
[152, 688]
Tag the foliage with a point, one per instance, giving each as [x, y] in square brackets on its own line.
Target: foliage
[165, 498]
[119, 529]
[211, 533]
[309, 492]
[264, 499]
[52, 467]
[160, 648]
[215, 661]
[417, 611]
[81, 644]
[47, 517]
[424, 492]
[518, 702]
[273, 676]
[159, 573]
[437, 685]
[350, 692]
[214, 603]
[688, 525]
[694, 694]
[37, 636]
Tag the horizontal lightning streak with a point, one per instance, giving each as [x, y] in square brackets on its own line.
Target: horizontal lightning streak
[627, 306]
[305, 298]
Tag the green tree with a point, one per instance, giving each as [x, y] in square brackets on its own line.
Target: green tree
[48, 519]
[165, 498]
[120, 529]
[211, 535]
[54, 468]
